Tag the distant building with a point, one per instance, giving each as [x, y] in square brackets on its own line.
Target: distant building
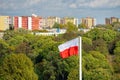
[89, 22]
[36, 23]
[111, 20]
[4, 22]
[114, 19]
[43, 23]
[27, 22]
[119, 20]
[107, 21]
[50, 21]
[65, 20]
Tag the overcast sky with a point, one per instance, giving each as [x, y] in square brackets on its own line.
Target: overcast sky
[99, 9]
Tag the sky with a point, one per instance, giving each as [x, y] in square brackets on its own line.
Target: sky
[98, 9]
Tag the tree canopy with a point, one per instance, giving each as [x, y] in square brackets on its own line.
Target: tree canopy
[17, 67]
[26, 56]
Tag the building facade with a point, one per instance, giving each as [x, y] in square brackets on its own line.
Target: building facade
[4, 23]
[50, 21]
[111, 20]
[89, 22]
[27, 22]
[65, 20]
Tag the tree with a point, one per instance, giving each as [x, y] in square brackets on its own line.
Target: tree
[96, 67]
[117, 48]
[82, 26]
[62, 26]
[109, 35]
[71, 27]
[108, 26]
[17, 67]
[105, 34]
[8, 34]
[87, 44]
[4, 48]
[16, 40]
[47, 53]
[56, 25]
[73, 75]
[101, 46]
[116, 26]
[94, 34]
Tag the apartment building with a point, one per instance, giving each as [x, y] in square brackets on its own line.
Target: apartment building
[111, 20]
[43, 23]
[50, 21]
[65, 20]
[89, 22]
[4, 23]
[27, 22]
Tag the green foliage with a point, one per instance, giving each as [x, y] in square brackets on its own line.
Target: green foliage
[43, 51]
[4, 48]
[117, 77]
[117, 48]
[9, 33]
[24, 47]
[87, 44]
[82, 26]
[116, 26]
[101, 46]
[70, 35]
[62, 26]
[17, 66]
[73, 75]
[96, 67]
[56, 25]
[117, 51]
[14, 41]
[117, 44]
[49, 65]
[109, 35]
[108, 26]
[117, 64]
[71, 27]
[87, 40]
[105, 34]
[94, 34]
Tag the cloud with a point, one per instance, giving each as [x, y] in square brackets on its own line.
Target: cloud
[32, 2]
[99, 3]
[55, 6]
[14, 4]
[73, 5]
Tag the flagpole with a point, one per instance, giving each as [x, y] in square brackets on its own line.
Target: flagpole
[80, 57]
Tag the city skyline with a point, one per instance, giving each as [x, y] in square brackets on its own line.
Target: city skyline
[62, 8]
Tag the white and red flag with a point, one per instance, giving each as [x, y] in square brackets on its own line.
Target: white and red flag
[69, 48]
[72, 47]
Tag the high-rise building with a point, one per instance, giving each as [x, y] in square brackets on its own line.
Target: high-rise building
[50, 21]
[65, 20]
[27, 22]
[44, 23]
[119, 20]
[4, 23]
[36, 23]
[107, 21]
[111, 20]
[89, 22]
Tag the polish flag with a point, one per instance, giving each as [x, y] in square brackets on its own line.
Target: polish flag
[69, 48]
